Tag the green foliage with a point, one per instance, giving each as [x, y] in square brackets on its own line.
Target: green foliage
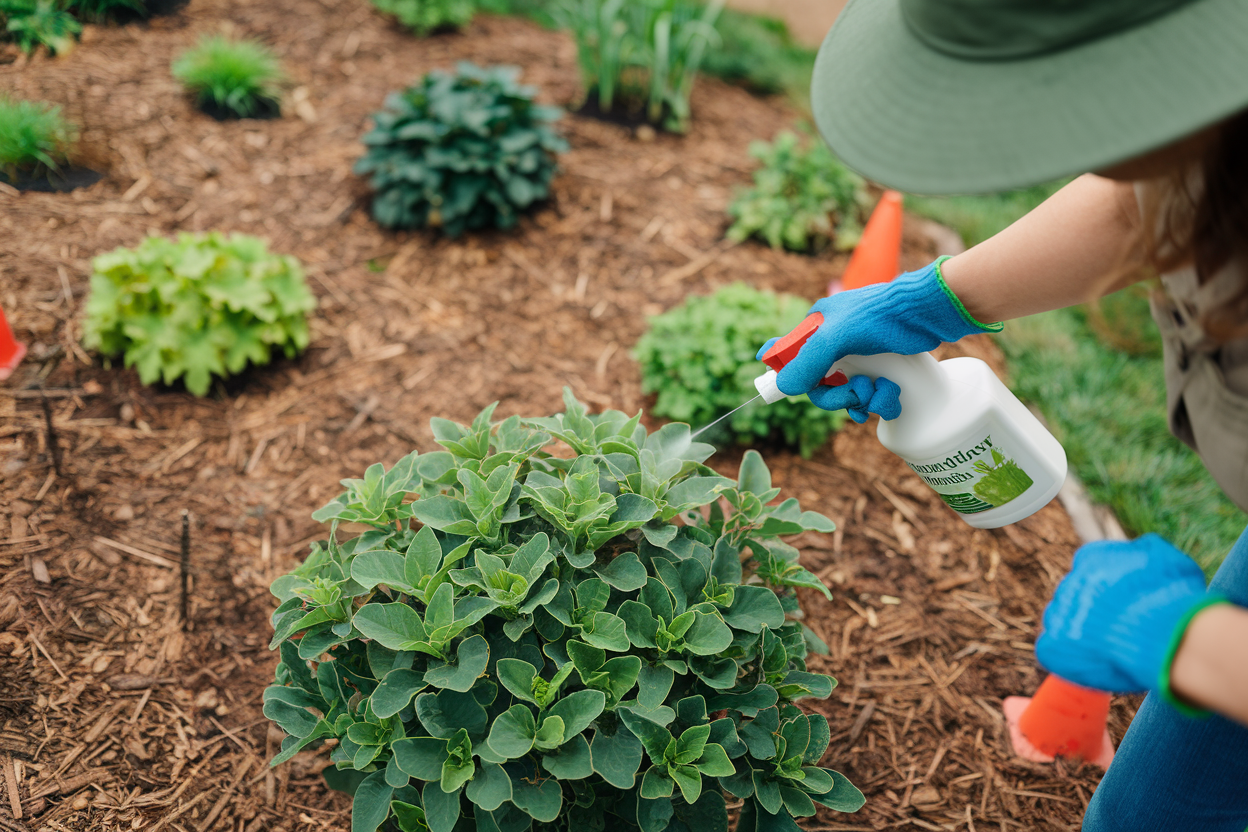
[199, 306]
[427, 16]
[461, 151]
[33, 137]
[642, 54]
[758, 53]
[98, 11]
[699, 358]
[802, 198]
[602, 641]
[241, 77]
[33, 23]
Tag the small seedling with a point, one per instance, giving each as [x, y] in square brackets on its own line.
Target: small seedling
[463, 150]
[204, 305]
[231, 78]
[606, 641]
[428, 16]
[34, 138]
[33, 23]
[802, 198]
[699, 359]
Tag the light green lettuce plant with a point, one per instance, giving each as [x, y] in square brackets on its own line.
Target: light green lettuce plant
[195, 307]
[513, 640]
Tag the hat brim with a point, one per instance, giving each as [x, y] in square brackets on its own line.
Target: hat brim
[912, 118]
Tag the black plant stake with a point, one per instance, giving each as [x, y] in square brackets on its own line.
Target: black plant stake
[186, 570]
[54, 449]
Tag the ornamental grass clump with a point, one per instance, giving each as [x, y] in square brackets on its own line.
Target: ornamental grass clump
[699, 359]
[425, 17]
[463, 150]
[204, 305]
[607, 639]
[34, 138]
[231, 78]
[641, 57]
[802, 199]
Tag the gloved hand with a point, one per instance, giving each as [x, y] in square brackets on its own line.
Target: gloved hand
[1116, 621]
[914, 313]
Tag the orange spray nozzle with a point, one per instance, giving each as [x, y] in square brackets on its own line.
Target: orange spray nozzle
[785, 349]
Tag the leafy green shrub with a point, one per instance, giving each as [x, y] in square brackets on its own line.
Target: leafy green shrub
[201, 306]
[32, 23]
[33, 137]
[802, 198]
[642, 54]
[699, 358]
[231, 77]
[427, 16]
[602, 642]
[461, 150]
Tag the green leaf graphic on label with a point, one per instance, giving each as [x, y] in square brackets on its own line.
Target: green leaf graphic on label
[1002, 481]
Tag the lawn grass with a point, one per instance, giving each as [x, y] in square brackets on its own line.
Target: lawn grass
[1096, 374]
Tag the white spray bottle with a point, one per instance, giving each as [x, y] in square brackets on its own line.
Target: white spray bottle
[960, 429]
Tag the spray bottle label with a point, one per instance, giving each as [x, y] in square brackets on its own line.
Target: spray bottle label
[976, 478]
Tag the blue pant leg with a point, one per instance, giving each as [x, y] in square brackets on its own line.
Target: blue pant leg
[1174, 773]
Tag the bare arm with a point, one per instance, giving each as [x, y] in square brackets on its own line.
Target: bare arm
[1210, 668]
[1065, 252]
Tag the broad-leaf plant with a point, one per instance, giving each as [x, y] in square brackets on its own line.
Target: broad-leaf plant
[558, 623]
[458, 151]
[200, 306]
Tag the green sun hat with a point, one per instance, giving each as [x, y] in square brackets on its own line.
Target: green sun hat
[970, 96]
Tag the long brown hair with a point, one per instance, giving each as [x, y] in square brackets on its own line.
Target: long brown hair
[1198, 216]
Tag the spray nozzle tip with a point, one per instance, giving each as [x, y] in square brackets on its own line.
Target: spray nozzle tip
[766, 387]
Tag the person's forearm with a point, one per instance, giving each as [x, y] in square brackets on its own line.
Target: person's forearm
[1080, 243]
[1210, 669]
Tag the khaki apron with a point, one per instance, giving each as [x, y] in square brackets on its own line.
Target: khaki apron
[1206, 382]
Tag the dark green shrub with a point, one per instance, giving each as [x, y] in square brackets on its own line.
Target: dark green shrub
[99, 11]
[802, 198]
[228, 77]
[461, 150]
[758, 53]
[603, 642]
[200, 306]
[427, 16]
[34, 138]
[642, 54]
[32, 23]
[699, 359]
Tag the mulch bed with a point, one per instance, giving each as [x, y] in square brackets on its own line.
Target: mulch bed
[112, 717]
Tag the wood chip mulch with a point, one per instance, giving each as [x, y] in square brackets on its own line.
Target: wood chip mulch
[112, 717]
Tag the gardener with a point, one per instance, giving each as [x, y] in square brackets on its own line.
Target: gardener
[954, 96]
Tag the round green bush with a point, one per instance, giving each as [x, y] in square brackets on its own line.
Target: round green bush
[200, 306]
[461, 150]
[802, 198]
[425, 17]
[231, 77]
[699, 359]
[518, 641]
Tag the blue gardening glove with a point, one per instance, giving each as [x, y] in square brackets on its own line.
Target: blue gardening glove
[1116, 621]
[914, 313]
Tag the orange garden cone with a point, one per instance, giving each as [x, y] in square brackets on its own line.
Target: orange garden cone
[877, 258]
[11, 350]
[1061, 720]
